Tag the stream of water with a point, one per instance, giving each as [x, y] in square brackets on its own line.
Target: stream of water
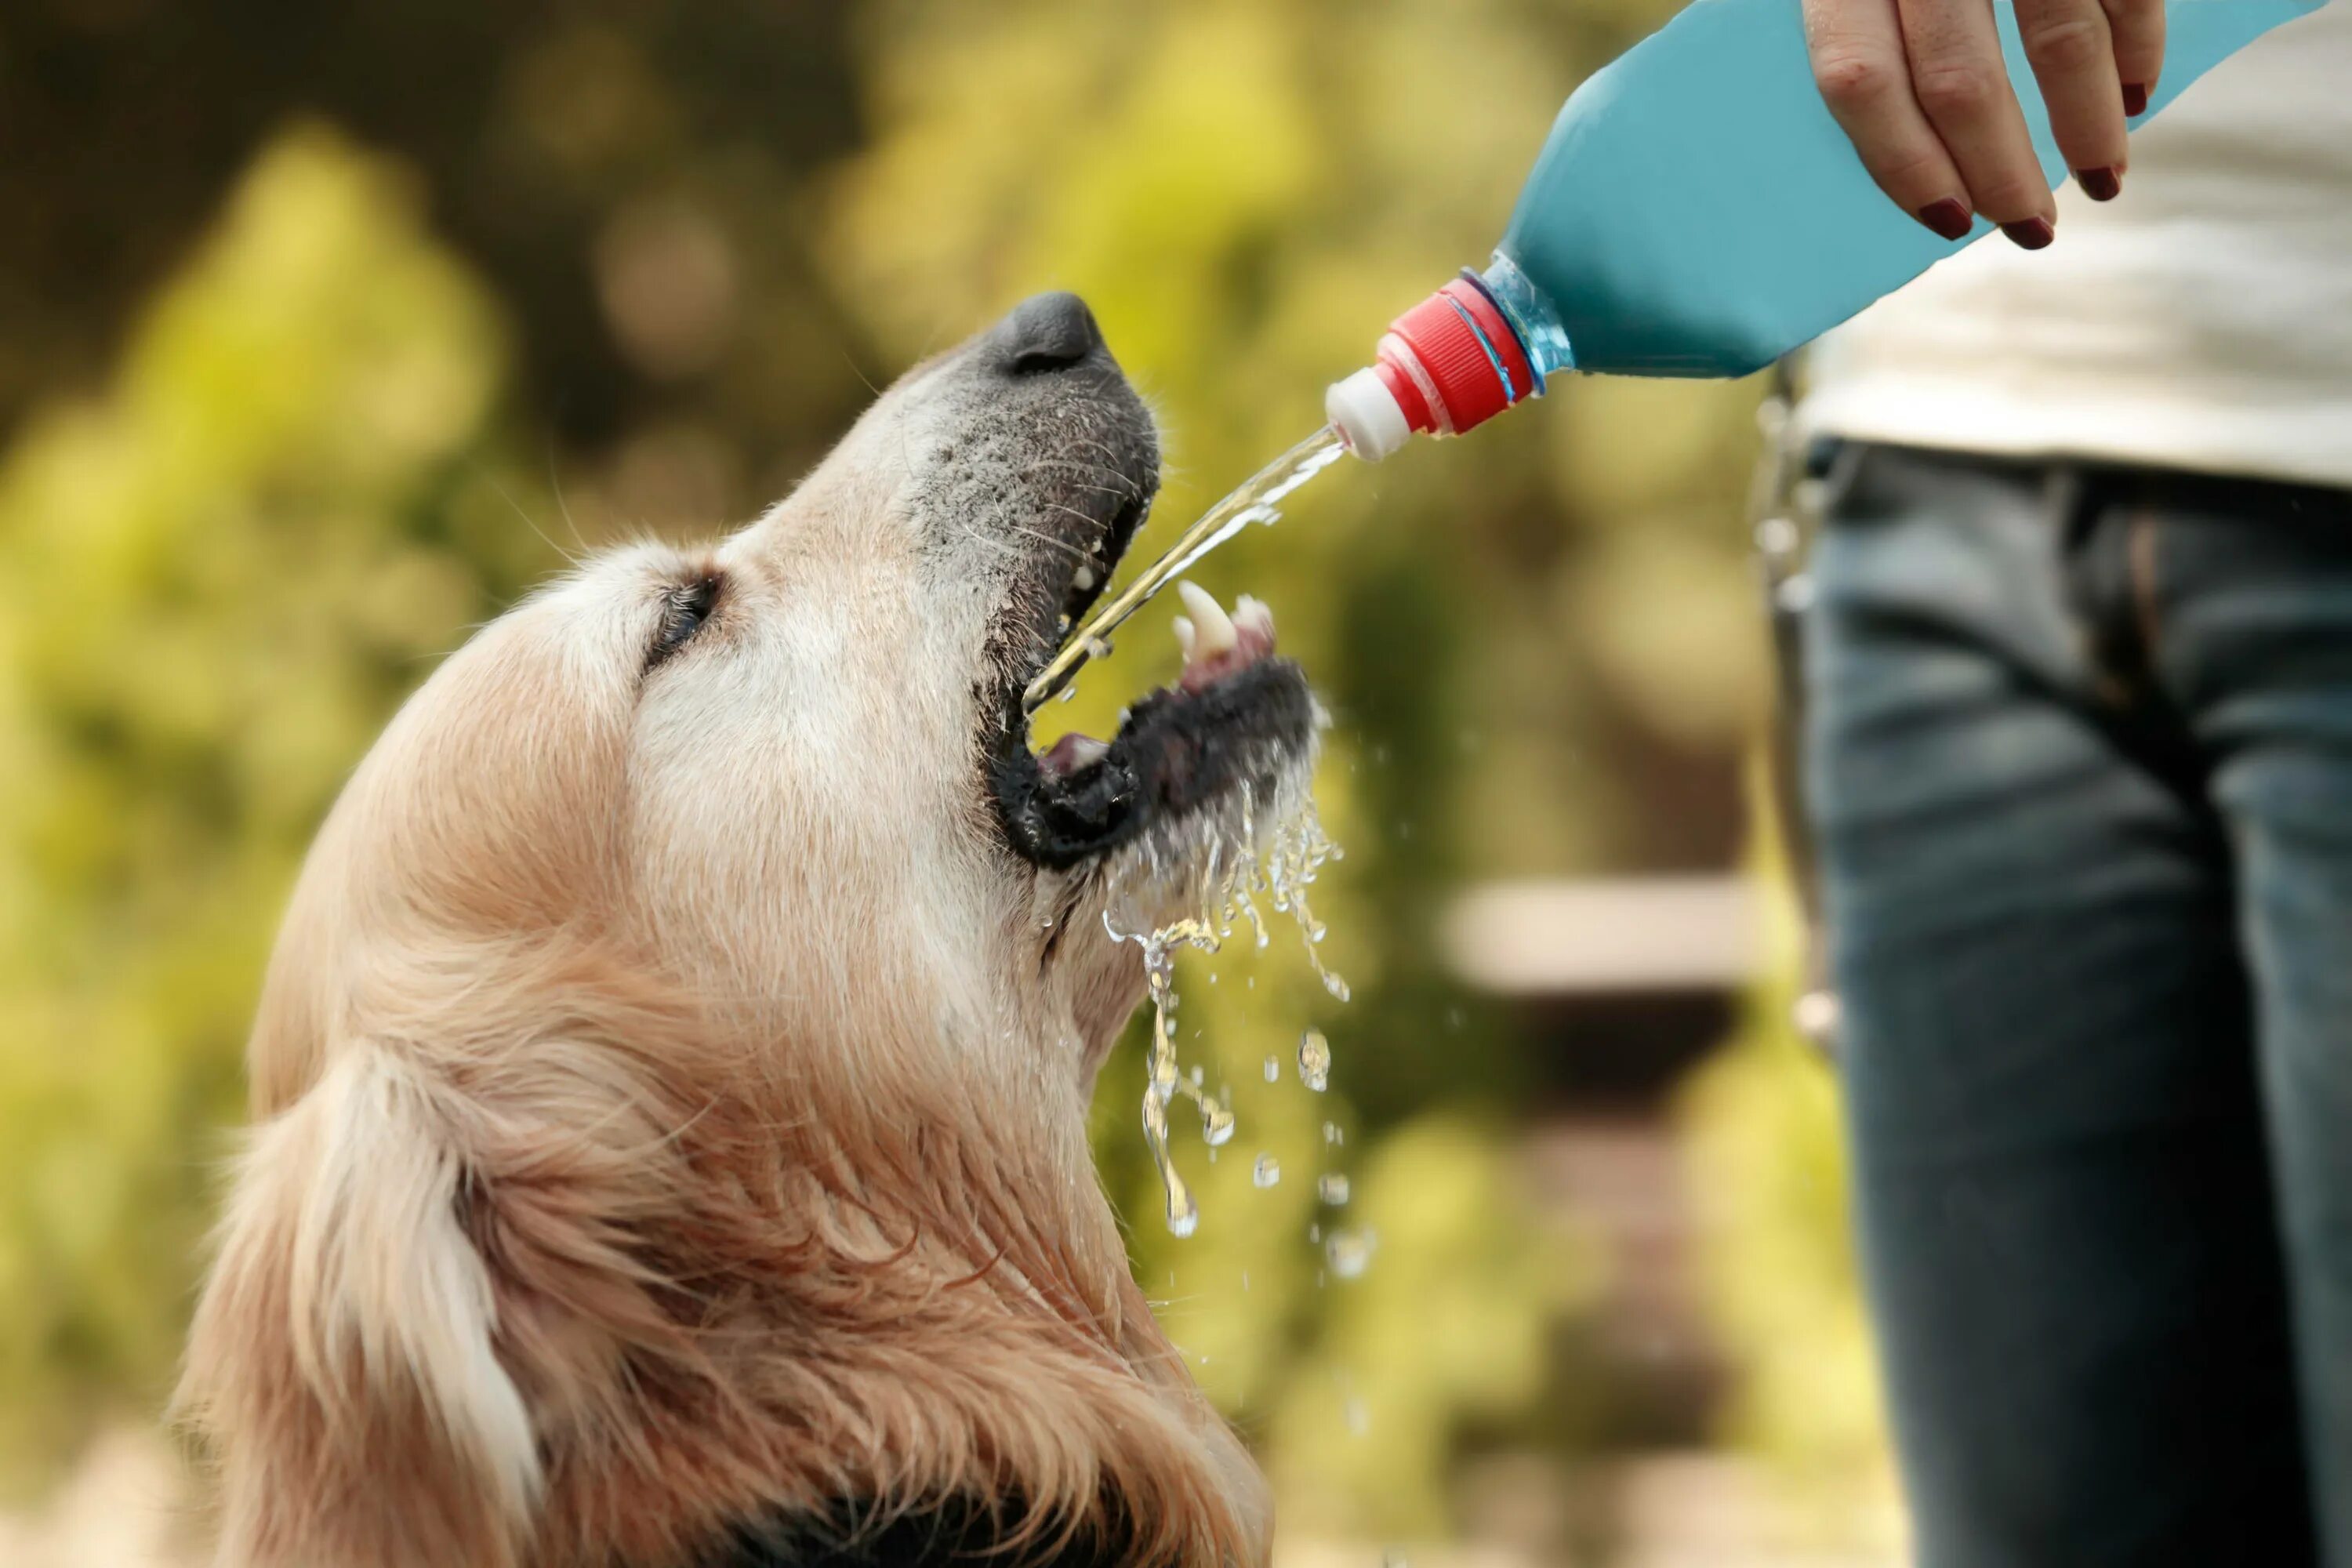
[1259, 499]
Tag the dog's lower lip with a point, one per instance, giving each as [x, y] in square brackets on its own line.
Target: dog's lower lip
[1178, 750]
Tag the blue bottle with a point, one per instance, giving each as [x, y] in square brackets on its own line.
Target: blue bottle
[1696, 212]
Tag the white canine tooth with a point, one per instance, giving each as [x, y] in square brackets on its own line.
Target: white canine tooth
[1186, 635]
[1085, 752]
[1084, 579]
[1212, 626]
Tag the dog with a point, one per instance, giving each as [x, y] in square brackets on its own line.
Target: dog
[669, 1084]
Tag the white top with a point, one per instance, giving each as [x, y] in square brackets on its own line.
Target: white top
[1365, 413]
[2202, 319]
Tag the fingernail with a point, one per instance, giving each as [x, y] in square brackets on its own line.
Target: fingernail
[2031, 235]
[2100, 184]
[1949, 217]
[2134, 98]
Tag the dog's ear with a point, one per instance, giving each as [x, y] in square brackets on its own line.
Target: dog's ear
[345, 1358]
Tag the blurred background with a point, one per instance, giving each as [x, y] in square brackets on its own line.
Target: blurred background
[325, 330]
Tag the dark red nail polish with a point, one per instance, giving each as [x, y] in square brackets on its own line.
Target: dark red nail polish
[2099, 185]
[2033, 234]
[1949, 217]
[2134, 98]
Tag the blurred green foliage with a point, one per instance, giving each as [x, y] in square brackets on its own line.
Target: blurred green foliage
[1781, 1278]
[216, 582]
[413, 292]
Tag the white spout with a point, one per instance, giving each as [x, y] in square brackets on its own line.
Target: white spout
[1365, 415]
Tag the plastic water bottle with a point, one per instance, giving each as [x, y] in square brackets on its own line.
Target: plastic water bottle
[1697, 212]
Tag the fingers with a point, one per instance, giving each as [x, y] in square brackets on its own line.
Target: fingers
[2137, 26]
[1959, 78]
[2072, 54]
[1865, 80]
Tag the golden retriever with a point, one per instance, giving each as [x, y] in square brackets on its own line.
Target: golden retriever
[670, 1080]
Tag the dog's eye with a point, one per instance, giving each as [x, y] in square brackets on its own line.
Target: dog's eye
[684, 610]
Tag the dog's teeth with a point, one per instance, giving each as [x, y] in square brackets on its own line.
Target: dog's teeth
[1185, 637]
[1084, 580]
[1251, 614]
[1213, 628]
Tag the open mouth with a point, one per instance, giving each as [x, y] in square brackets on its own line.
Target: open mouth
[1230, 729]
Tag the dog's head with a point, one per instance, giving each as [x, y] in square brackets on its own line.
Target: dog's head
[672, 1072]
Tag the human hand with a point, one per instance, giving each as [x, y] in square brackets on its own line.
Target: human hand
[1921, 88]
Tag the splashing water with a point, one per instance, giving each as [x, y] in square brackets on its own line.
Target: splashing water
[1349, 1252]
[1259, 499]
[1295, 850]
[1266, 1172]
[1161, 1082]
[1332, 1189]
[1315, 1061]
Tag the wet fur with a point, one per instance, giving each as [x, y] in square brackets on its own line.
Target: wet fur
[669, 1086]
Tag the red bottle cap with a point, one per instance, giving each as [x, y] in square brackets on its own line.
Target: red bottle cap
[1469, 357]
[1447, 364]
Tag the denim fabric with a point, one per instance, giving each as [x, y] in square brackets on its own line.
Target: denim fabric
[2079, 752]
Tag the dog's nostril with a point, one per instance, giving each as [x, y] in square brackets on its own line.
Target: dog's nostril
[1047, 332]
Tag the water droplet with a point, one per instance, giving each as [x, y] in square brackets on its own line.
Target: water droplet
[1332, 1135]
[1359, 1418]
[1266, 849]
[1332, 1189]
[1315, 1061]
[1349, 1252]
[1098, 648]
[1069, 693]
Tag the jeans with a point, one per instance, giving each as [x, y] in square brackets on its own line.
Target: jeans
[2079, 752]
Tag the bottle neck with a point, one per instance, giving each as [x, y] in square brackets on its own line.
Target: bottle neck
[1541, 336]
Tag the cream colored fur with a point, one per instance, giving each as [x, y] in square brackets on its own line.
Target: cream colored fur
[669, 1093]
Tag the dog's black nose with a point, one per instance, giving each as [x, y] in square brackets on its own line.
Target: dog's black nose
[1047, 331]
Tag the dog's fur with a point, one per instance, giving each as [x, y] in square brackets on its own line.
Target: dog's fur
[670, 1081]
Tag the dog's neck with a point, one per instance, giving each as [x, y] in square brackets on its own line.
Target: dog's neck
[956, 1534]
[914, 1293]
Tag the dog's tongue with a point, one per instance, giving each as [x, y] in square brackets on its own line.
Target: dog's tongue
[1071, 753]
